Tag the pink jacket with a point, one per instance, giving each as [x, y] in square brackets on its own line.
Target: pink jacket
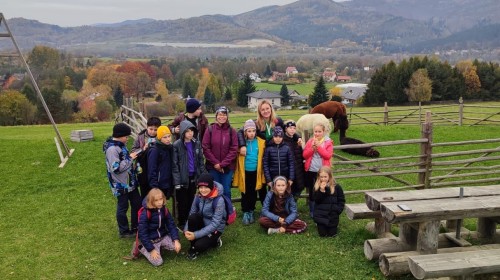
[325, 150]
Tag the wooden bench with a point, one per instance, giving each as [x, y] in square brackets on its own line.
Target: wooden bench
[455, 264]
[361, 211]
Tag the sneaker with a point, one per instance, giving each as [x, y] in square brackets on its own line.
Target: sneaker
[246, 218]
[273, 230]
[251, 219]
[219, 242]
[192, 256]
[127, 234]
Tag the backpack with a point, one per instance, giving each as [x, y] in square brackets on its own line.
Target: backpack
[136, 253]
[229, 208]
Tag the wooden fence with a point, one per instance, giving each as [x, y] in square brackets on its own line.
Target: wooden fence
[453, 114]
[427, 168]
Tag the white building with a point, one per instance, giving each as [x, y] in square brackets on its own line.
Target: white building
[255, 97]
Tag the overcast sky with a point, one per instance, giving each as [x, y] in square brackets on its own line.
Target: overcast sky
[80, 12]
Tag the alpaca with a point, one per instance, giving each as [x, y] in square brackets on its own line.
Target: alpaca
[333, 110]
[365, 151]
[308, 121]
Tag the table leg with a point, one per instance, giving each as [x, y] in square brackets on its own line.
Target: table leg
[486, 229]
[428, 237]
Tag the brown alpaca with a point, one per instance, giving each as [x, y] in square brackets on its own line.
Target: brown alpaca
[333, 110]
[365, 151]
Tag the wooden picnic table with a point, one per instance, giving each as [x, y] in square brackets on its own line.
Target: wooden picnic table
[419, 226]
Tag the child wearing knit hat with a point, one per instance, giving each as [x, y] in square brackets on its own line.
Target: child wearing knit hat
[195, 115]
[122, 178]
[206, 222]
[160, 157]
[249, 175]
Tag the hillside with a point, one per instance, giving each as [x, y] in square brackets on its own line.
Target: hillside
[376, 26]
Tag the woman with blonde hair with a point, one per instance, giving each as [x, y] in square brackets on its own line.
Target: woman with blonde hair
[265, 123]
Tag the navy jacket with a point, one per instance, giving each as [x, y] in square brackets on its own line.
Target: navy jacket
[278, 160]
[157, 226]
[160, 166]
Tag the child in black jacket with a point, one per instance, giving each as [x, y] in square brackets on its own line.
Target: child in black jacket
[330, 201]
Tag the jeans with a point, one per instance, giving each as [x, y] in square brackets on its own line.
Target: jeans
[122, 207]
[225, 179]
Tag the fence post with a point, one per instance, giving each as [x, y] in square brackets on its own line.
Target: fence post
[419, 112]
[386, 113]
[460, 110]
[426, 151]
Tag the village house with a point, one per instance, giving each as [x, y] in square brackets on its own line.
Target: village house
[353, 94]
[343, 79]
[329, 76]
[255, 97]
[296, 98]
[291, 70]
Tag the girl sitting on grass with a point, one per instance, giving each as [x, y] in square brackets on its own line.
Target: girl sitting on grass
[279, 212]
[156, 228]
[330, 200]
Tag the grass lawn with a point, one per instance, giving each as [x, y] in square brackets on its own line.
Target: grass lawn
[60, 223]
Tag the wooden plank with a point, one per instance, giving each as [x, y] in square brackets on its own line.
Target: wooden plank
[373, 198]
[360, 211]
[396, 263]
[455, 264]
[442, 209]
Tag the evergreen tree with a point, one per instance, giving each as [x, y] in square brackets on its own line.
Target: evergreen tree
[228, 95]
[118, 96]
[268, 71]
[320, 93]
[285, 96]
[246, 87]
[209, 100]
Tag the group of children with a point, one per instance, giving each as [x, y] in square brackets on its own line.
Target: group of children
[268, 162]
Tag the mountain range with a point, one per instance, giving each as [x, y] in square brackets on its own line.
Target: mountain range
[357, 26]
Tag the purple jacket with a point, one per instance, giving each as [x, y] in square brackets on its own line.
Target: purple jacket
[220, 146]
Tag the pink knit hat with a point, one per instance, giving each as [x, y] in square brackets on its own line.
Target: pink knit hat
[249, 124]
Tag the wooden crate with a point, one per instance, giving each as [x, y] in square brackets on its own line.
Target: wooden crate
[82, 135]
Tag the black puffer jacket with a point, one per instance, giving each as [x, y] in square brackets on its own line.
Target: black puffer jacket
[329, 206]
[299, 161]
[278, 160]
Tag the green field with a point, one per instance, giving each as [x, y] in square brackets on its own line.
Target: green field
[59, 223]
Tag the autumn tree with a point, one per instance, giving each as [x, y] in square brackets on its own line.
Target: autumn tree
[320, 93]
[15, 109]
[420, 86]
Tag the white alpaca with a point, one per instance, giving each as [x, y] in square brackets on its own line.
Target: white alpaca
[307, 123]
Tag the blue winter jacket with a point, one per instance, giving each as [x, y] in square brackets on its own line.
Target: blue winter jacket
[290, 208]
[278, 161]
[157, 226]
[213, 220]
